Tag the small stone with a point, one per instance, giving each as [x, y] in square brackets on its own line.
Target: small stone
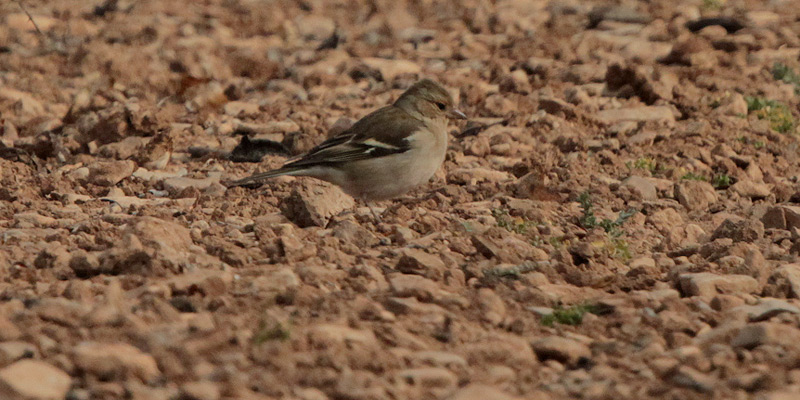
[472, 176]
[241, 109]
[762, 333]
[61, 311]
[493, 309]
[351, 232]
[710, 284]
[695, 195]
[782, 217]
[315, 27]
[276, 281]
[750, 189]
[312, 204]
[430, 377]
[645, 189]
[423, 289]
[200, 390]
[124, 148]
[664, 220]
[763, 19]
[438, 359]
[8, 331]
[415, 261]
[389, 69]
[115, 361]
[660, 114]
[178, 184]
[563, 350]
[339, 334]
[109, 173]
[767, 309]
[416, 35]
[733, 105]
[785, 281]
[24, 102]
[777, 395]
[16, 350]
[33, 380]
[32, 220]
[208, 282]
[402, 235]
[557, 107]
[645, 265]
[477, 391]
[740, 230]
[294, 249]
[691, 378]
[169, 241]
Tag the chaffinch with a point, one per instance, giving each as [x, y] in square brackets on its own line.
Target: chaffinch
[385, 154]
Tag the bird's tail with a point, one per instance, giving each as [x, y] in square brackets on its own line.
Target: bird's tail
[258, 179]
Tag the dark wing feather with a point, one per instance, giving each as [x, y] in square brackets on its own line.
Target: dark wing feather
[358, 143]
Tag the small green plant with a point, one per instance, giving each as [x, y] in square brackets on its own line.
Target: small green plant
[616, 246]
[536, 241]
[721, 181]
[713, 5]
[644, 163]
[779, 116]
[691, 176]
[516, 225]
[589, 221]
[269, 332]
[757, 144]
[557, 241]
[620, 249]
[784, 73]
[569, 316]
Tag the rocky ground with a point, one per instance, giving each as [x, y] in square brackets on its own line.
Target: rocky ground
[617, 220]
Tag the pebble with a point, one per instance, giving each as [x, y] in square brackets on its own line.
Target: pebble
[566, 351]
[313, 204]
[109, 173]
[200, 390]
[493, 309]
[476, 391]
[740, 230]
[115, 361]
[643, 188]
[708, 284]
[695, 195]
[659, 114]
[766, 309]
[416, 261]
[785, 280]
[390, 69]
[750, 189]
[34, 380]
[762, 333]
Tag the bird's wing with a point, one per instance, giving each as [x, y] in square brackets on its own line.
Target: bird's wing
[381, 133]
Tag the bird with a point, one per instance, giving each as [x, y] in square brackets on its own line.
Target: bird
[384, 154]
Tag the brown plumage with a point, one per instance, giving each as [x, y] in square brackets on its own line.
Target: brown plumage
[385, 154]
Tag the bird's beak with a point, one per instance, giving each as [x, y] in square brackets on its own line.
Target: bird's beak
[456, 114]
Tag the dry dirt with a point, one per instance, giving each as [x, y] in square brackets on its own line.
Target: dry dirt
[617, 220]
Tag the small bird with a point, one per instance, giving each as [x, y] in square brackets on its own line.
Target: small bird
[385, 154]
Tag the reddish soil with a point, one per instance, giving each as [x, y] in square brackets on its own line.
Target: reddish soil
[618, 219]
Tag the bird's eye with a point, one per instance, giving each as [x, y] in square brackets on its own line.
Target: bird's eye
[441, 106]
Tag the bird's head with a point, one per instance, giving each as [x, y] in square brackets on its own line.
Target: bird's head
[427, 99]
